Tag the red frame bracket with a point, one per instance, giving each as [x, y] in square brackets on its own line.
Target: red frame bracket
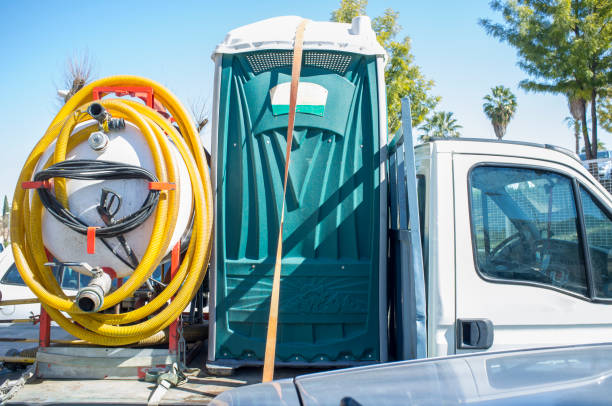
[144, 93]
[162, 186]
[91, 240]
[40, 184]
[174, 266]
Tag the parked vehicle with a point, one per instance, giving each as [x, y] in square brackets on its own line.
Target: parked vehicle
[516, 246]
[13, 287]
[580, 375]
[600, 155]
[603, 162]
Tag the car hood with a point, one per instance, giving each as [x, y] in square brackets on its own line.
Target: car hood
[576, 375]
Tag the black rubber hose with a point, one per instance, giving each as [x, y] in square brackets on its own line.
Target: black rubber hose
[85, 169]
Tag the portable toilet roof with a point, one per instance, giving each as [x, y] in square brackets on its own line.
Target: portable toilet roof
[278, 33]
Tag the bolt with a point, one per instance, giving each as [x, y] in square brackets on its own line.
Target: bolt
[98, 141]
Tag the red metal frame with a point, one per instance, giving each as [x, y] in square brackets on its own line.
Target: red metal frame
[144, 93]
[44, 329]
[174, 266]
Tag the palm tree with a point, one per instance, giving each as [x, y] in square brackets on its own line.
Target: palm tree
[500, 107]
[440, 124]
[600, 147]
[577, 106]
[575, 125]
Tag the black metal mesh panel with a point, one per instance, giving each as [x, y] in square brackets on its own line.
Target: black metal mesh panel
[266, 60]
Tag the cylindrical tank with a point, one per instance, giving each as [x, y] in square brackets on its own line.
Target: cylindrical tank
[126, 146]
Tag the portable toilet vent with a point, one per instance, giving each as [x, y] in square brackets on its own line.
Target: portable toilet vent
[333, 283]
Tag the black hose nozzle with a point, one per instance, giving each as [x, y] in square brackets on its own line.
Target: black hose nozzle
[98, 112]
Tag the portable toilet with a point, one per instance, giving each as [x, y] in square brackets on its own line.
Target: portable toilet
[333, 303]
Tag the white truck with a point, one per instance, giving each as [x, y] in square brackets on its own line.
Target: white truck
[516, 246]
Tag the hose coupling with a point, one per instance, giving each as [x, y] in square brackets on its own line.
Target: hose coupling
[91, 298]
[104, 118]
[98, 112]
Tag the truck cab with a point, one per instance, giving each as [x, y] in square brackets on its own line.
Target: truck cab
[516, 241]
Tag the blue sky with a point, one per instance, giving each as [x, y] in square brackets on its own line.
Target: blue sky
[171, 42]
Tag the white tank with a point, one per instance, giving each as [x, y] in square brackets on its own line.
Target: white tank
[126, 146]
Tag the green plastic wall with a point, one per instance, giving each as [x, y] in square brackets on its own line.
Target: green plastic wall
[330, 270]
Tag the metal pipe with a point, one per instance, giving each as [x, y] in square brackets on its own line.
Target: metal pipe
[22, 301]
[91, 298]
[35, 340]
[19, 301]
[7, 321]
[21, 360]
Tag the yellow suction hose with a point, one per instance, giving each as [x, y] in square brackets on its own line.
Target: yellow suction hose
[27, 209]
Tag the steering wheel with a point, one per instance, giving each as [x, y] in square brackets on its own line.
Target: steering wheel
[532, 266]
[503, 244]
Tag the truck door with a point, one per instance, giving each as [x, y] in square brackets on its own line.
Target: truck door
[533, 265]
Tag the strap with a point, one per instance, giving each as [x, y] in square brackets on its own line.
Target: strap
[268, 370]
[162, 186]
[41, 184]
[91, 240]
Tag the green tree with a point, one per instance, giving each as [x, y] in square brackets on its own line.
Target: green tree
[349, 9]
[402, 77]
[604, 112]
[577, 107]
[500, 107]
[600, 147]
[563, 46]
[574, 124]
[440, 124]
[5, 221]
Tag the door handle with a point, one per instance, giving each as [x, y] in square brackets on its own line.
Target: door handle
[476, 334]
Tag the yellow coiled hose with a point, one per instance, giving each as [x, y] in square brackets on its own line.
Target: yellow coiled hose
[26, 233]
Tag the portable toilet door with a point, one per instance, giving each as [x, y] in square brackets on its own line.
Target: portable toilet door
[333, 305]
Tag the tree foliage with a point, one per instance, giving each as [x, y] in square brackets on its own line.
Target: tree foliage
[574, 124]
[402, 77]
[5, 221]
[440, 124]
[600, 147]
[604, 113]
[349, 9]
[500, 107]
[563, 46]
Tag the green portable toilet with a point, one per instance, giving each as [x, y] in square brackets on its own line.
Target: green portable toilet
[333, 283]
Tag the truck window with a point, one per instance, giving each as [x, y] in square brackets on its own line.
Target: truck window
[525, 227]
[12, 276]
[599, 238]
[70, 279]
